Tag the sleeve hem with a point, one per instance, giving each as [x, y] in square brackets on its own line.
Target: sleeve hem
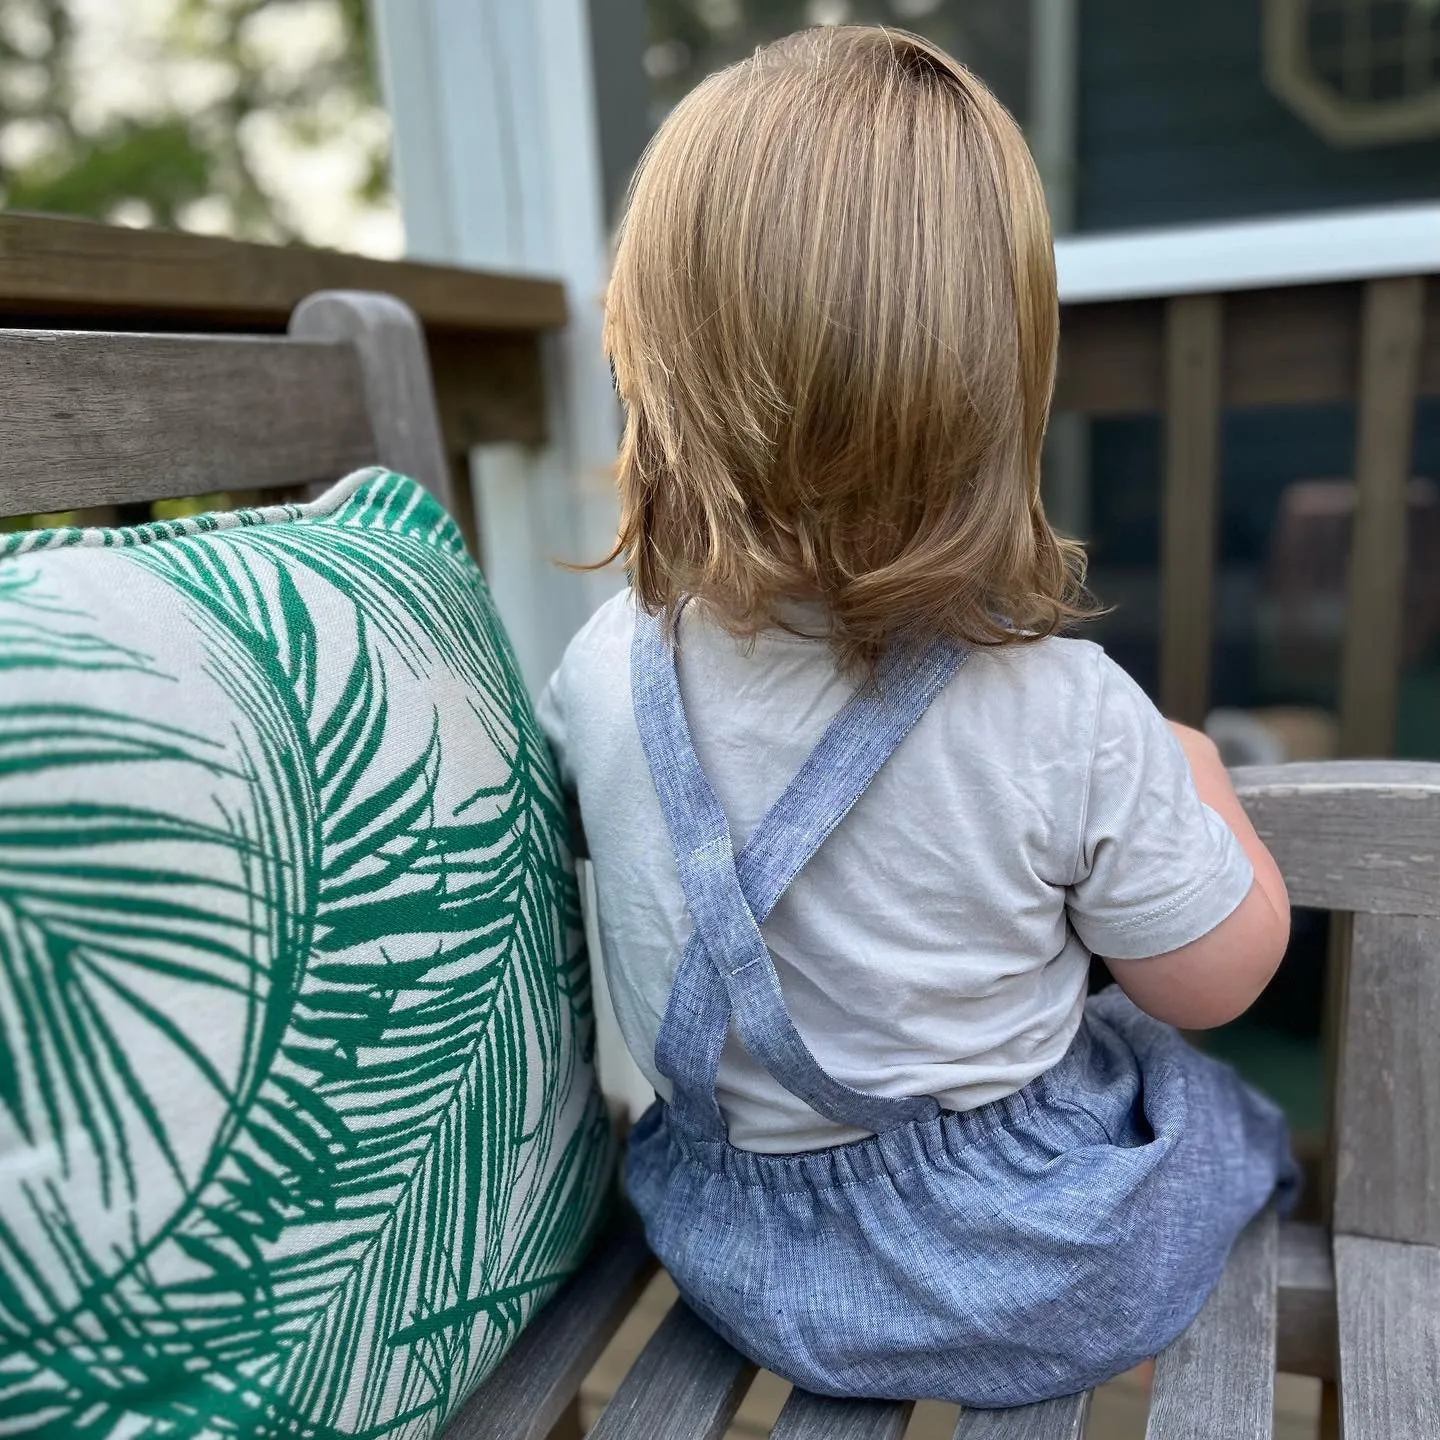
[1187, 917]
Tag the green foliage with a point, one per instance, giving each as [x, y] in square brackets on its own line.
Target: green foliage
[212, 93]
[160, 164]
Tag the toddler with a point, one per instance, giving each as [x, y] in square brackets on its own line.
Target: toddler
[859, 815]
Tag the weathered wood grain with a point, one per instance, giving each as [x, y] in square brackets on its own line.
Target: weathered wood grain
[535, 1383]
[1054, 1420]
[554, 1354]
[104, 419]
[395, 374]
[1217, 1381]
[1336, 983]
[1391, 334]
[489, 387]
[1305, 1312]
[1189, 502]
[570, 1425]
[51, 266]
[686, 1385]
[1295, 345]
[1389, 1308]
[815, 1417]
[1355, 835]
[1387, 1139]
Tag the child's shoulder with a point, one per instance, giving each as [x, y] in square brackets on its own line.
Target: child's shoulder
[1051, 681]
[605, 636]
[589, 688]
[1050, 698]
[593, 675]
[613, 623]
[1058, 664]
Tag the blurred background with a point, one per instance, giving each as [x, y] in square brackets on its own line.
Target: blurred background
[258, 118]
[314, 122]
[264, 120]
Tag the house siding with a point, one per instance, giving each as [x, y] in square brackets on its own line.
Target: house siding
[1177, 125]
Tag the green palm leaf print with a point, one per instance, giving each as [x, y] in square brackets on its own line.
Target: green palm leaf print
[291, 986]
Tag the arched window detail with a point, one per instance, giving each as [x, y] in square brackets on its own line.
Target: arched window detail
[1360, 72]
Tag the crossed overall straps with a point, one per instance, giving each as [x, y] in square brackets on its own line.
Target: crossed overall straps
[726, 969]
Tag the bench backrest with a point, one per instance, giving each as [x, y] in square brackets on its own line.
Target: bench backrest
[1363, 838]
[96, 419]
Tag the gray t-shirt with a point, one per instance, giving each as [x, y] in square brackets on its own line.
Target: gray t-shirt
[938, 943]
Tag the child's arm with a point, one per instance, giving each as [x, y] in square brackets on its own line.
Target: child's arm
[1217, 977]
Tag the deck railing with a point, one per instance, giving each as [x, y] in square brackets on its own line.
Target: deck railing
[483, 330]
[1187, 324]
[1196, 322]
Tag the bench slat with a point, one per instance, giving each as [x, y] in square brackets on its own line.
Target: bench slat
[1351, 835]
[1062, 1419]
[534, 1383]
[816, 1417]
[95, 420]
[1388, 1297]
[1387, 1169]
[1217, 1381]
[1305, 1313]
[686, 1385]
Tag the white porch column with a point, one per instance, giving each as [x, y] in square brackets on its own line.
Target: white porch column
[497, 164]
[1052, 125]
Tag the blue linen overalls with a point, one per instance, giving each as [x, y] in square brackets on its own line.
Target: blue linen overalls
[1033, 1247]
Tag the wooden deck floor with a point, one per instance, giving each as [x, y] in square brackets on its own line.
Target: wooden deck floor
[1117, 1413]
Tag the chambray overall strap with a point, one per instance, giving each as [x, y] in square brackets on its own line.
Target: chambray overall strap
[726, 968]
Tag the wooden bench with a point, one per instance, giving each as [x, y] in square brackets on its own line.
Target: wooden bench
[92, 419]
[483, 335]
[1357, 1304]
[97, 419]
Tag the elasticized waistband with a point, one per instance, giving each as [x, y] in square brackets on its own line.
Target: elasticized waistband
[894, 1151]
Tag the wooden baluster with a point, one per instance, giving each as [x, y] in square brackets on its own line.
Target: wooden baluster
[1189, 511]
[1390, 343]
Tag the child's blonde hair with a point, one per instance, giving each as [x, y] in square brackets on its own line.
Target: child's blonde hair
[832, 322]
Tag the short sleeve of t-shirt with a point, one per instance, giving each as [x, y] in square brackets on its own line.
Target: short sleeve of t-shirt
[1157, 868]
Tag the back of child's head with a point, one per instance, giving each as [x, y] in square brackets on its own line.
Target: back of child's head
[833, 325]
